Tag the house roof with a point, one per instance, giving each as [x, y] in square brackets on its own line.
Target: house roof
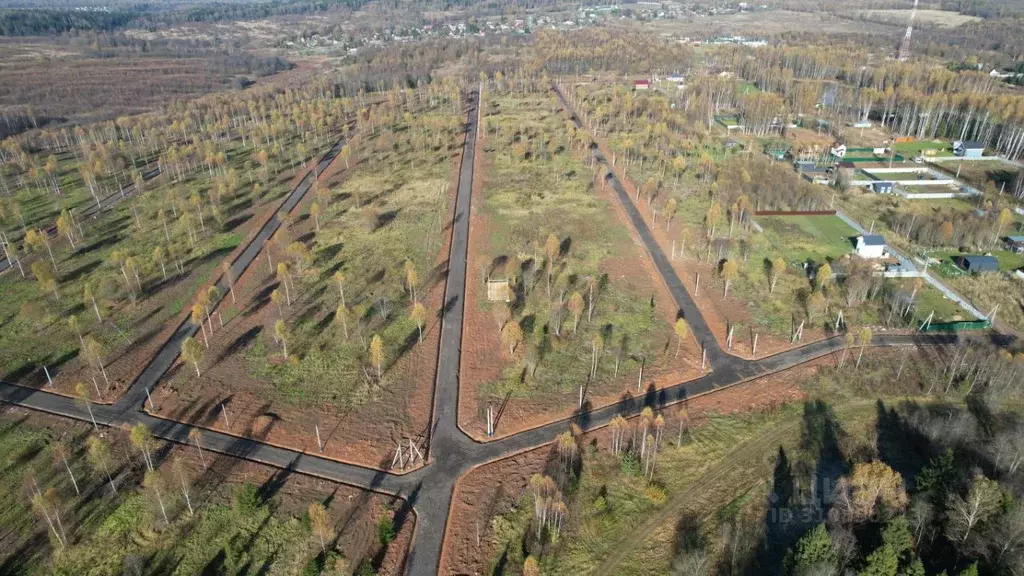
[873, 240]
[1015, 239]
[972, 144]
[976, 259]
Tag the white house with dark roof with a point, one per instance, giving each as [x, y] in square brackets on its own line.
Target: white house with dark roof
[870, 246]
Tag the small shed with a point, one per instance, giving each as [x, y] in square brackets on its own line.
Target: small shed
[968, 148]
[976, 264]
[883, 187]
[499, 290]
[641, 84]
[870, 246]
[1015, 244]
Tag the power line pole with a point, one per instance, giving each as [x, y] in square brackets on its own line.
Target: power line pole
[905, 46]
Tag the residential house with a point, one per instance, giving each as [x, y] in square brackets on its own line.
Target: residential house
[976, 264]
[883, 187]
[870, 246]
[968, 148]
[641, 85]
[1015, 244]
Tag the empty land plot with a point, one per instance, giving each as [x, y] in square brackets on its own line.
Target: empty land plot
[297, 355]
[129, 273]
[808, 237]
[245, 514]
[939, 146]
[988, 175]
[943, 18]
[585, 310]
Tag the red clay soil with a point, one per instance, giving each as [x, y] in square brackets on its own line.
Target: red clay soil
[492, 489]
[364, 435]
[717, 311]
[354, 512]
[483, 356]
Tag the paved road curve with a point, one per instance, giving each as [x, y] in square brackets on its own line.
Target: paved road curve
[428, 491]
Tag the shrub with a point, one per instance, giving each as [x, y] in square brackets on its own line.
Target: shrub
[631, 464]
[656, 493]
[386, 530]
[248, 499]
[601, 505]
[366, 569]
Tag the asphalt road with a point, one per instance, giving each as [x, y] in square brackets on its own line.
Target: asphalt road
[428, 490]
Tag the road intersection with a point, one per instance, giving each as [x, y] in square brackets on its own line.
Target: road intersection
[428, 491]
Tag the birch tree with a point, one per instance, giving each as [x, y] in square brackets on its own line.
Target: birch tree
[321, 524]
[192, 351]
[98, 452]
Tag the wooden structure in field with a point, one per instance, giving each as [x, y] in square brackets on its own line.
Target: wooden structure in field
[499, 290]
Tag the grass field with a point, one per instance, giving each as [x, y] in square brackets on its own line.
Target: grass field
[1008, 261]
[165, 217]
[991, 175]
[912, 148]
[389, 210]
[813, 238]
[236, 528]
[536, 187]
[713, 489]
[924, 174]
[748, 88]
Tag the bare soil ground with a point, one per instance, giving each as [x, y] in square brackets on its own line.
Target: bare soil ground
[364, 434]
[354, 512]
[492, 489]
[483, 359]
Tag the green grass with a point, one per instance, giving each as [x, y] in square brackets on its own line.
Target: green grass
[1008, 261]
[803, 238]
[940, 147]
[902, 176]
[107, 530]
[525, 200]
[985, 175]
[748, 88]
[723, 467]
[35, 332]
[392, 207]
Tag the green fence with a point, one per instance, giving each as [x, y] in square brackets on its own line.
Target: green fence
[957, 326]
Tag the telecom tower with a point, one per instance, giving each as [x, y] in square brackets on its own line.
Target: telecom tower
[905, 46]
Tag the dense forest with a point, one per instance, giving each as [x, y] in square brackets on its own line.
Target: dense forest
[48, 21]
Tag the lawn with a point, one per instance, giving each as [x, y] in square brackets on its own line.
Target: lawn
[928, 299]
[808, 238]
[911, 148]
[1008, 260]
